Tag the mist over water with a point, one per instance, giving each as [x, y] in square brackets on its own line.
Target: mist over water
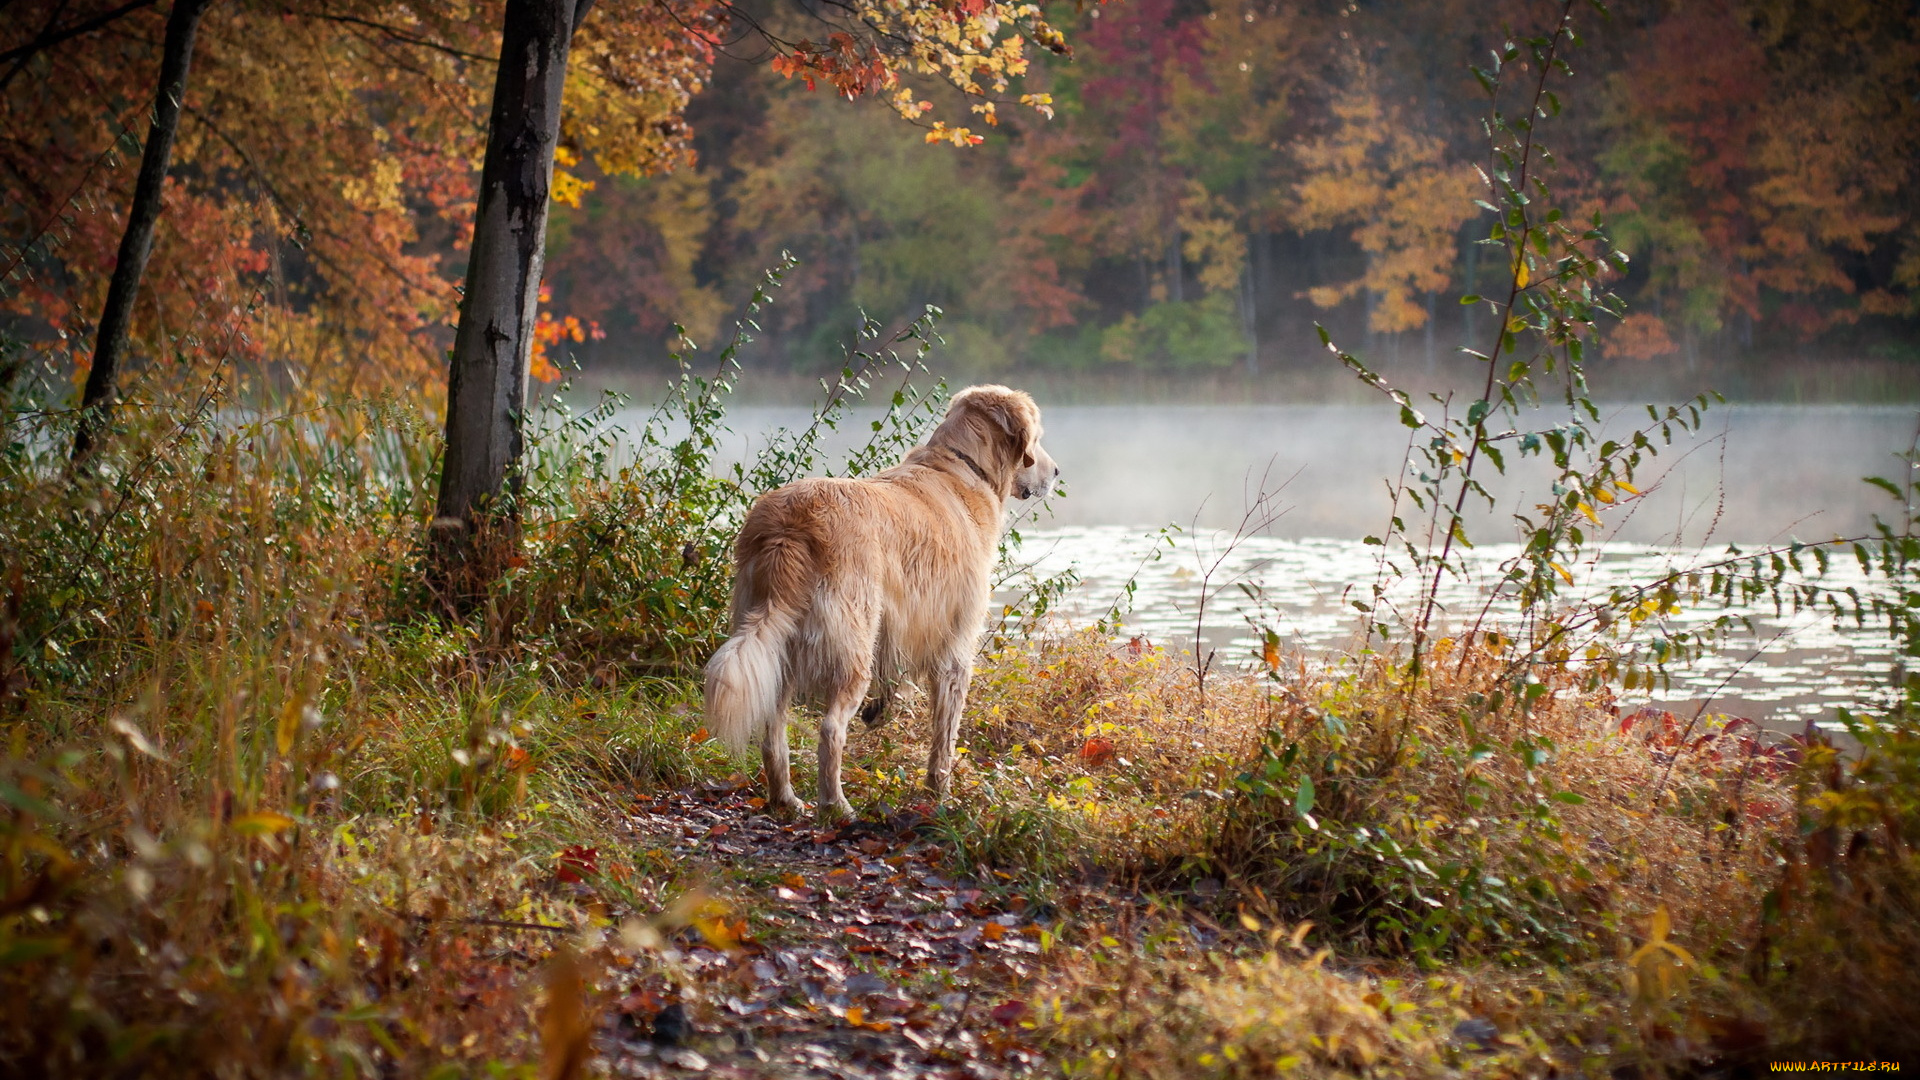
[1753, 475]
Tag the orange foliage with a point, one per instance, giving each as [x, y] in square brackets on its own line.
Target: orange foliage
[1640, 336]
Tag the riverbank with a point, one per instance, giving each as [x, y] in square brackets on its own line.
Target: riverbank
[259, 777]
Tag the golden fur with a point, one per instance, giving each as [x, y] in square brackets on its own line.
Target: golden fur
[838, 581]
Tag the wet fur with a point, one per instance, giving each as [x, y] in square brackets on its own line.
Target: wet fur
[842, 583]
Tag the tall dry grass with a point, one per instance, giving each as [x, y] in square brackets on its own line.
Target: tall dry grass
[253, 785]
[1594, 895]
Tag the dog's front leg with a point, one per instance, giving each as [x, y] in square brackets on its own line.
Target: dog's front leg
[949, 699]
[775, 759]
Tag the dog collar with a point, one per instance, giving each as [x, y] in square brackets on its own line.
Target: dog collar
[975, 466]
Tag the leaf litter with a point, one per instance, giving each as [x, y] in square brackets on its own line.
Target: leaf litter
[858, 958]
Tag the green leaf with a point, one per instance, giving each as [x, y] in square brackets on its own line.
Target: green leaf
[1885, 485]
[1303, 797]
[1470, 298]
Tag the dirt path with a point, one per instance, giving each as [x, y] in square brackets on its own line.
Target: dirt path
[858, 958]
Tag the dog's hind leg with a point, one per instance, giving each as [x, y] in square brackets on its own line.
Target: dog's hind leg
[949, 693]
[775, 758]
[833, 805]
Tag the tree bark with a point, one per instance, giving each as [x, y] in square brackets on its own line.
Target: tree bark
[1250, 303]
[136, 244]
[476, 516]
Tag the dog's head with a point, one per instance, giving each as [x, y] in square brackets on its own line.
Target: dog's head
[999, 429]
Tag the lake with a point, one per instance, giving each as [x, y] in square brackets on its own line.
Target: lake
[1755, 475]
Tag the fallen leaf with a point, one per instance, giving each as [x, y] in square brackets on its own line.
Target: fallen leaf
[1009, 1014]
[574, 863]
[1096, 751]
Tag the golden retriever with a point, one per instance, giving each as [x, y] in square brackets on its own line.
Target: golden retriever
[838, 581]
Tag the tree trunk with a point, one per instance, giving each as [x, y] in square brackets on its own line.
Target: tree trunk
[1176, 265]
[136, 244]
[1433, 316]
[1249, 305]
[487, 376]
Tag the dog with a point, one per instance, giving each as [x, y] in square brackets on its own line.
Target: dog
[839, 582]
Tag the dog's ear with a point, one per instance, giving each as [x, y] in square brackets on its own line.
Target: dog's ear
[1012, 421]
[1002, 414]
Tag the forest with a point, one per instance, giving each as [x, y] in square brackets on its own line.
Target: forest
[1205, 183]
[1216, 178]
[353, 619]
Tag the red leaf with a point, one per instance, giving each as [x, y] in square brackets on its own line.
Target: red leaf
[576, 862]
[1096, 751]
[1010, 1013]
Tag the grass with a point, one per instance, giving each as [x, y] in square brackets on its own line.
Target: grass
[253, 784]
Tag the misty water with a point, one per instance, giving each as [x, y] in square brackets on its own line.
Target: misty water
[1755, 475]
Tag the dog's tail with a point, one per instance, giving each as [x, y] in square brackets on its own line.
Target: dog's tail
[746, 679]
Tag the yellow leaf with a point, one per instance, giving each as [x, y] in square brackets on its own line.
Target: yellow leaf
[1563, 572]
[263, 823]
[1250, 922]
[1626, 487]
[1521, 273]
[717, 932]
[1661, 924]
[1587, 509]
[567, 188]
[1603, 495]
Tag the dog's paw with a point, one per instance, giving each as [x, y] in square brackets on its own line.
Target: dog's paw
[788, 809]
[836, 813]
[875, 714]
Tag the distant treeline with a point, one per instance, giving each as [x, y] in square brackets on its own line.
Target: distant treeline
[1220, 175]
[1217, 175]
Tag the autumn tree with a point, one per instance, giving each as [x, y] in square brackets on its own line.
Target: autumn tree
[1763, 159]
[320, 174]
[1402, 192]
